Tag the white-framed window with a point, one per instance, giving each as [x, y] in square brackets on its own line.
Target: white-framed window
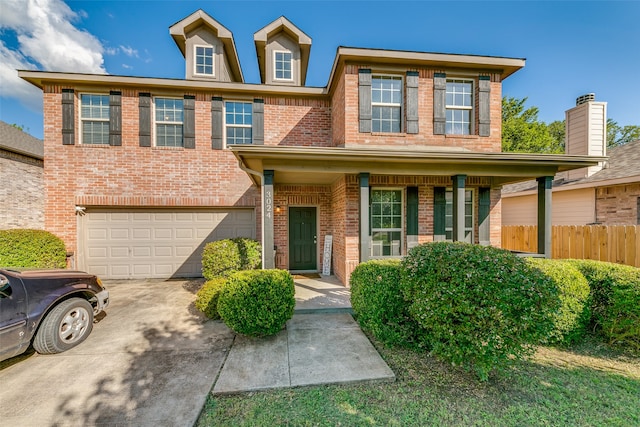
[203, 62]
[468, 215]
[169, 116]
[238, 121]
[386, 222]
[94, 118]
[386, 104]
[459, 105]
[283, 65]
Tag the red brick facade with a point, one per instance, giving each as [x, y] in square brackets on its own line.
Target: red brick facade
[132, 175]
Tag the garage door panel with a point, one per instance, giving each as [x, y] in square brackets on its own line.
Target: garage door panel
[153, 243]
[119, 251]
[184, 233]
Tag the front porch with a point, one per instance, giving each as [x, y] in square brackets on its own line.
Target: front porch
[380, 203]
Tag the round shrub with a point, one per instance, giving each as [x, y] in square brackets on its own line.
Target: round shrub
[615, 300]
[31, 249]
[258, 302]
[480, 307]
[378, 304]
[572, 318]
[207, 297]
[223, 257]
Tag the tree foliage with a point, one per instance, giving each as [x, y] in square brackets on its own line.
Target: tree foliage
[522, 132]
[620, 135]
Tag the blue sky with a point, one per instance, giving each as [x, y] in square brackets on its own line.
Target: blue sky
[572, 48]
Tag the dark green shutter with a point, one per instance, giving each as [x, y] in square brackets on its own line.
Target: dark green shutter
[144, 116]
[439, 213]
[189, 123]
[412, 101]
[439, 103]
[412, 211]
[216, 123]
[484, 106]
[115, 118]
[68, 117]
[364, 99]
[257, 127]
[484, 209]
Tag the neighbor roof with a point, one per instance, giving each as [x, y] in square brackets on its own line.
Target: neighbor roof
[14, 140]
[623, 166]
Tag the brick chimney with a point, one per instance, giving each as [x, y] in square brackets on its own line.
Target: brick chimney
[586, 132]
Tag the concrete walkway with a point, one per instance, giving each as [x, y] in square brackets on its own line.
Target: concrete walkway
[321, 344]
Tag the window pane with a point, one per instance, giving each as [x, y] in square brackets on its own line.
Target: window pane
[169, 135]
[283, 61]
[95, 132]
[204, 60]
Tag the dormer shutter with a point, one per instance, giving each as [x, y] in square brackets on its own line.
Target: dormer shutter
[257, 127]
[439, 103]
[68, 119]
[216, 123]
[484, 106]
[364, 98]
[412, 101]
[189, 124]
[115, 118]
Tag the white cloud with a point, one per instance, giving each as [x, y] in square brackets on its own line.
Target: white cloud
[129, 51]
[12, 85]
[48, 40]
[127, 67]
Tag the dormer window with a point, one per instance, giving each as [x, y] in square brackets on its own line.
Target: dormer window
[283, 65]
[204, 60]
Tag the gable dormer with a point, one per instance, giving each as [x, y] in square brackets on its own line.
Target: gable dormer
[283, 53]
[208, 48]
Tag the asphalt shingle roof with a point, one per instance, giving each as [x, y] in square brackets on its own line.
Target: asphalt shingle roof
[624, 161]
[17, 141]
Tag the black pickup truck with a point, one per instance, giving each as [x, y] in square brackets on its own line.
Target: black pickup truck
[51, 309]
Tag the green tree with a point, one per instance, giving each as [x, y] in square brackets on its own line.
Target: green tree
[556, 130]
[522, 132]
[620, 135]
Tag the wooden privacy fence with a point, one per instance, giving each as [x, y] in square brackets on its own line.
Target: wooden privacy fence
[612, 243]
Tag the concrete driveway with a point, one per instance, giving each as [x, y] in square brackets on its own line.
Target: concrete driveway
[136, 364]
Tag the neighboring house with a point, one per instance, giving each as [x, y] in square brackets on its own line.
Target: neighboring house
[21, 178]
[397, 149]
[607, 194]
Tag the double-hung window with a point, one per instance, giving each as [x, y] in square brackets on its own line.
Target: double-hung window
[386, 104]
[238, 122]
[468, 215]
[386, 222]
[282, 64]
[204, 60]
[94, 118]
[459, 105]
[169, 120]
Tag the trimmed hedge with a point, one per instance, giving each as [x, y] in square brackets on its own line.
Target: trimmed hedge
[377, 302]
[207, 297]
[223, 257]
[31, 249]
[615, 300]
[257, 303]
[479, 307]
[572, 318]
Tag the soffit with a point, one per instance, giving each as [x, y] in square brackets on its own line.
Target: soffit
[313, 165]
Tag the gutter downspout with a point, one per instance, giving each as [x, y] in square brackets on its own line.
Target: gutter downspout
[256, 173]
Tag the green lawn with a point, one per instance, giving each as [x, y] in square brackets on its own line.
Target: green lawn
[589, 385]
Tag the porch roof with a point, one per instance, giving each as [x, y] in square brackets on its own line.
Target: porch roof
[323, 165]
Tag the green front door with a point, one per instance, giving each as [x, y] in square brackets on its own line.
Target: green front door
[302, 239]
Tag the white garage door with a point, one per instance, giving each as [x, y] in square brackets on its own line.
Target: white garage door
[155, 243]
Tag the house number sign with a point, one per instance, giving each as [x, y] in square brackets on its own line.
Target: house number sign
[326, 255]
[268, 204]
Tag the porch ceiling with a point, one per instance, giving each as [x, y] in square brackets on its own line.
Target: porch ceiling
[322, 165]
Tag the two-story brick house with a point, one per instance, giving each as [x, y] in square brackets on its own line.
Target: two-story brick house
[398, 148]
